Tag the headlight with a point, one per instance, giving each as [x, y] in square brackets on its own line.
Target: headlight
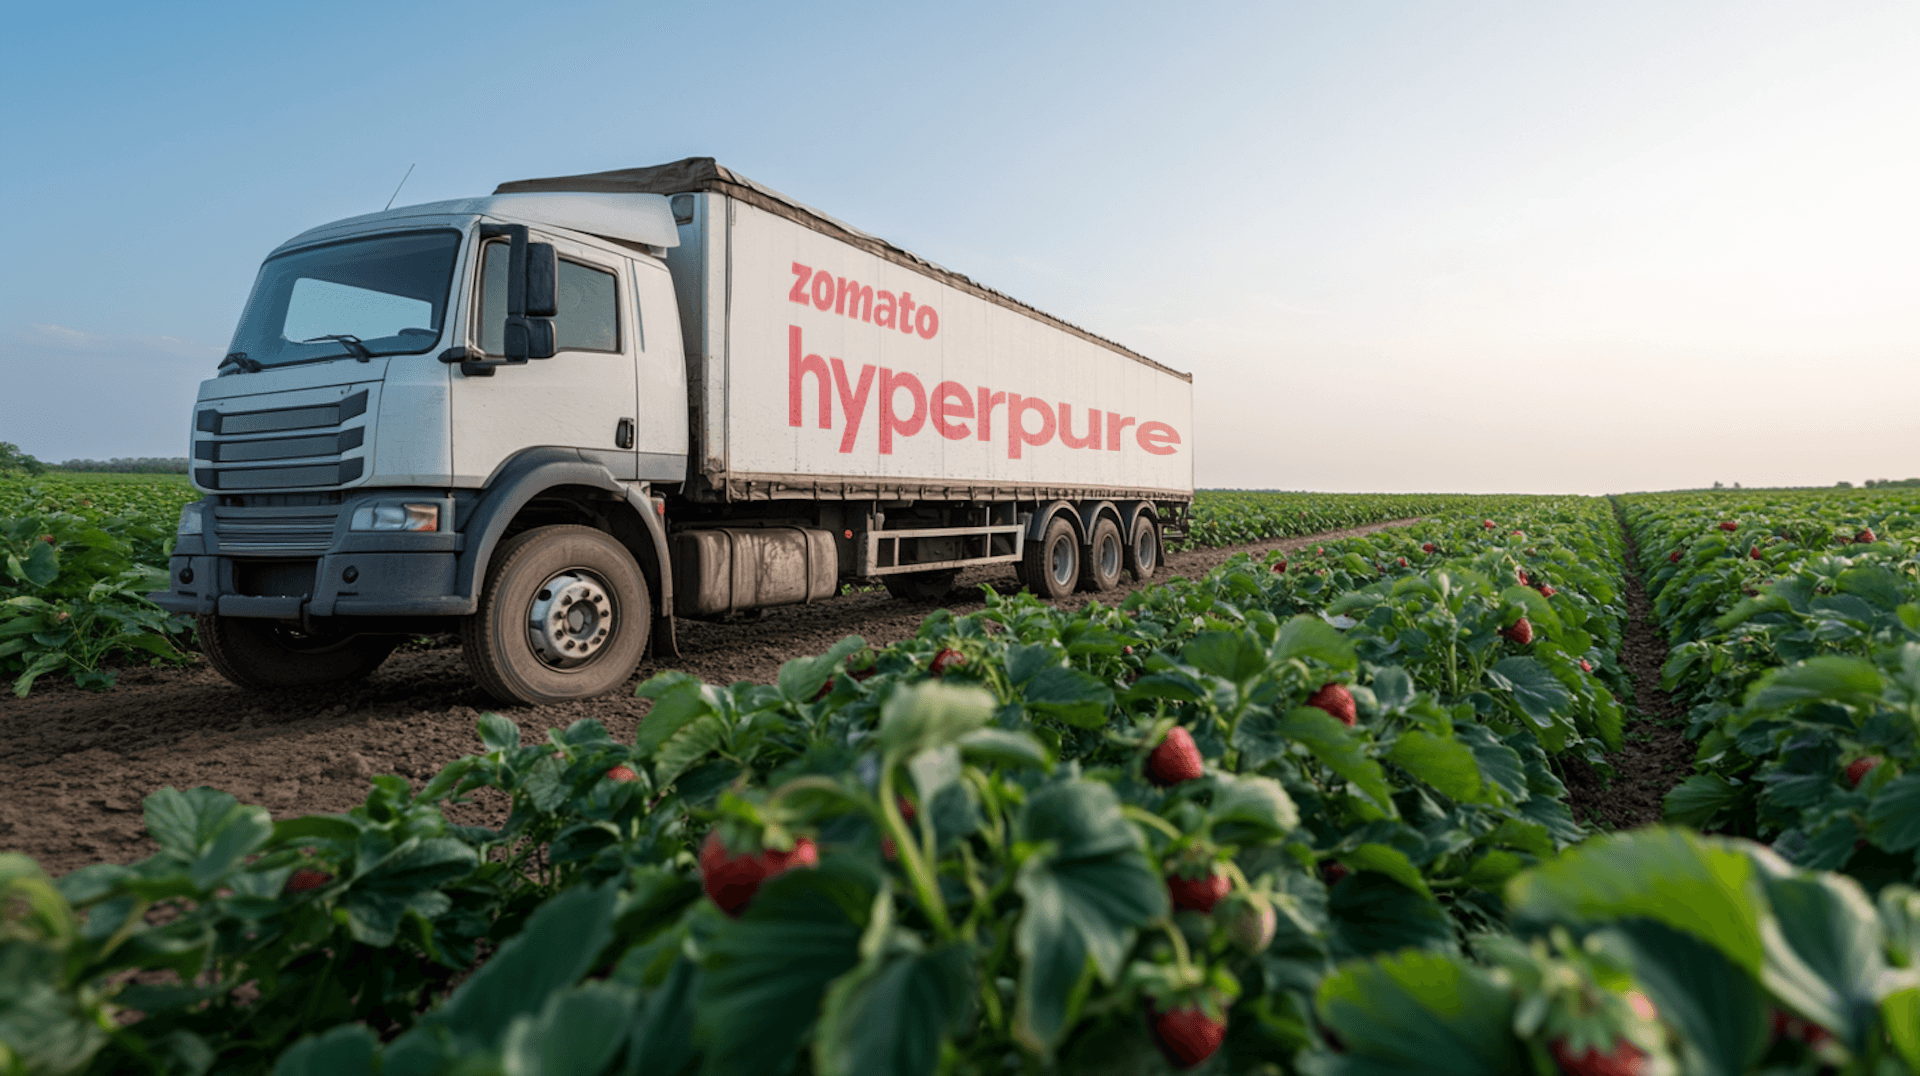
[397, 517]
[190, 518]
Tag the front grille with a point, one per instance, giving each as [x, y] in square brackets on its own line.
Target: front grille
[316, 453]
[274, 531]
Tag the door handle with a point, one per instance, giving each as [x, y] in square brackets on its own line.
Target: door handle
[623, 434]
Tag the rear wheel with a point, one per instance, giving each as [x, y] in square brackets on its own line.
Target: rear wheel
[1105, 558]
[1051, 566]
[564, 615]
[264, 655]
[1143, 548]
[921, 586]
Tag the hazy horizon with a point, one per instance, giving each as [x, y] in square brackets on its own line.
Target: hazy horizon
[1485, 247]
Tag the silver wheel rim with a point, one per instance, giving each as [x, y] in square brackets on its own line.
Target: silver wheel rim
[1145, 549]
[570, 619]
[1109, 556]
[1061, 562]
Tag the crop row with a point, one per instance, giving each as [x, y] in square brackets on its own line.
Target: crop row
[1298, 813]
[1795, 624]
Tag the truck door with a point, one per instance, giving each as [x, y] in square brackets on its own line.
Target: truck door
[583, 397]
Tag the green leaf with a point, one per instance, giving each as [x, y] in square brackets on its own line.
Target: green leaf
[1073, 696]
[1826, 960]
[1231, 655]
[379, 898]
[802, 678]
[1500, 765]
[1900, 1012]
[1393, 688]
[1341, 750]
[1718, 1008]
[1541, 696]
[42, 565]
[1694, 801]
[1085, 892]
[1307, 636]
[934, 714]
[679, 699]
[1446, 764]
[1845, 681]
[1894, 819]
[890, 1017]
[1005, 748]
[1423, 1012]
[1371, 913]
[767, 972]
[1255, 801]
[1389, 861]
[498, 733]
[346, 1050]
[685, 746]
[576, 1033]
[560, 943]
[661, 1042]
[1700, 885]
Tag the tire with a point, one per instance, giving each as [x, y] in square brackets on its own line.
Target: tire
[1050, 567]
[1105, 560]
[263, 655]
[921, 586]
[1144, 552]
[581, 589]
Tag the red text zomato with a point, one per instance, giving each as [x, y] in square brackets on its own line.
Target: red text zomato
[952, 410]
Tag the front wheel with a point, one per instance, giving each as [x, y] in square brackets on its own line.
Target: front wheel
[264, 655]
[564, 615]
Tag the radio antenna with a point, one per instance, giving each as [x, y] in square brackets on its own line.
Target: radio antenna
[396, 190]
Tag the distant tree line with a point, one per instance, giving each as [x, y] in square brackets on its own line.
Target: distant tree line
[1880, 483]
[14, 461]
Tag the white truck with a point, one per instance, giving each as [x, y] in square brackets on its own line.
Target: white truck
[556, 418]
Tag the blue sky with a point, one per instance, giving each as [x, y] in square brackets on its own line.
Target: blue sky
[1401, 246]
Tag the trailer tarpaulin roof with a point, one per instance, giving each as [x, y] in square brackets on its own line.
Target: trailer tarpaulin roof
[696, 174]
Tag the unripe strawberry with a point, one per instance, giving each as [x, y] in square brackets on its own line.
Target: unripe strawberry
[1858, 769]
[1176, 759]
[1187, 1036]
[1198, 894]
[1250, 921]
[946, 659]
[622, 773]
[1521, 632]
[306, 878]
[1336, 700]
[731, 880]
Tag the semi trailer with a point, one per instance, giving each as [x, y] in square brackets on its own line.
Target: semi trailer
[555, 418]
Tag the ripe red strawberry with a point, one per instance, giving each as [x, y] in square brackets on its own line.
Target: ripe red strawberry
[1584, 667]
[1487, 523]
[1858, 769]
[1521, 632]
[1319, 549]
[1729, 525]
[1674, 556]
[1865, 537]
[306, 878]
[1250, 921]
[1521, 575]
[946, 659]
[622, 773]
[862, 674]
[1625, 1059]
[1199, 894]
[1332, 871]
[1753, 552]
[1547, 591]
[1403, 562]
[1336, 700]
[47, 538]
[731, 880]
[1426, 547]
[1519, 534]
[1127, 651]
[1795, 1028]
[1280, 565]
[1187, 1035]
[1177, 759]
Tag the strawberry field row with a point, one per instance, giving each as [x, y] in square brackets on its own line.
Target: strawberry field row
[1795, 623]
[1301, 814]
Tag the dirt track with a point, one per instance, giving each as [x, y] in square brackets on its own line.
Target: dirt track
[80, 763]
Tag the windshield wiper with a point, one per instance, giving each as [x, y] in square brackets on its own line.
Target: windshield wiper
[354, 347]
[239, 358]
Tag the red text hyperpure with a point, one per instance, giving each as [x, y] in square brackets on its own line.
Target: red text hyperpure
[952, 410]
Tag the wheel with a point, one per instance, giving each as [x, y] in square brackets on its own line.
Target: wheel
[1143, 549]
[564, 615]
[263, 654]
[921, 586]
[1051, 566]
[1105, 559]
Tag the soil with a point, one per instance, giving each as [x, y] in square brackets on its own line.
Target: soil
[1657, 755]
[81, 762]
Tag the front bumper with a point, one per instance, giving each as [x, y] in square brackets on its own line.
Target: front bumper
[297, 563]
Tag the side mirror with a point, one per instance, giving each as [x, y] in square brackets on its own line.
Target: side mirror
[532, 293]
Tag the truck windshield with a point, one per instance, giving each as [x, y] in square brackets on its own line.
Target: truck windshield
[382, 295]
